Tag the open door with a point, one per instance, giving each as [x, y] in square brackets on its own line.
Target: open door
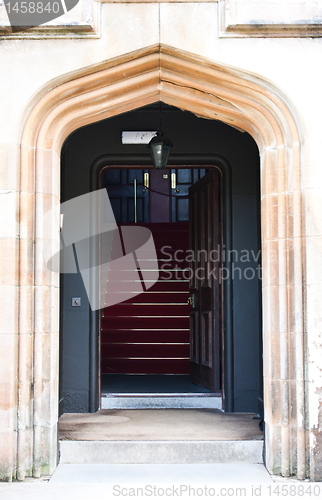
[205, 236]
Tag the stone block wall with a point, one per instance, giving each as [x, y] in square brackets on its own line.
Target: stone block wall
[263, 82]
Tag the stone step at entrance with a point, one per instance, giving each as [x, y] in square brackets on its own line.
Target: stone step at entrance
[160, 437]
[160, 452]
[161, 401]
[136, 392]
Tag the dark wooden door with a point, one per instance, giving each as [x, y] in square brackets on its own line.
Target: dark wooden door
[205, 286]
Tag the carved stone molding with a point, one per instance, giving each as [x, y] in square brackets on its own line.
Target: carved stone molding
[270, 18]
[80, 22]
[237, 18]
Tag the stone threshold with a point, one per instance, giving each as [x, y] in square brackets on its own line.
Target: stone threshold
[161, 452]
[157, 401]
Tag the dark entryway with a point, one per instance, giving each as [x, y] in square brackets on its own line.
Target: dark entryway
[196, 142]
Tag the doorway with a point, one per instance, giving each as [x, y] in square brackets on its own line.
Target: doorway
[197, 142]
[167, 340]
[81, 106]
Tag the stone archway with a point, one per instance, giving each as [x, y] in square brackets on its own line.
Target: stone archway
[210, 91]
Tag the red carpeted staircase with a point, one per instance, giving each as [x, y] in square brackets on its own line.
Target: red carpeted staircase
[149, 334]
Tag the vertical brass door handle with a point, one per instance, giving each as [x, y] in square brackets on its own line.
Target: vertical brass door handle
[173, 181]
[135, 202]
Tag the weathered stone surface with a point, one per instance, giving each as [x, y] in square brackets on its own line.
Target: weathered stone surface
[81, 21]
[52, 87]
[270, 18]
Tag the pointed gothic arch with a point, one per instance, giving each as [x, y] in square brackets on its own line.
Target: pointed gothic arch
[210, 91]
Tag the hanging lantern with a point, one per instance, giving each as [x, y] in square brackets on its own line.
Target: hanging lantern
[159, 148]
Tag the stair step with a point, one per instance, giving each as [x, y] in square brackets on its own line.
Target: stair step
[161, 452]
[160, 401]
[165, 297]
[131, 310]
[164, 274]
[162, 286]
[153, 322]
[119, 350]
[160, 436]
[159, 287]
[150, 366]
[163, 263]
[150, 336]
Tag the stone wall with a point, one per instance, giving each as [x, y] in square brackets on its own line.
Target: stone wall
[266, 83]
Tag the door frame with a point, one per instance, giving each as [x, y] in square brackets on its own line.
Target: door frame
[228, 351]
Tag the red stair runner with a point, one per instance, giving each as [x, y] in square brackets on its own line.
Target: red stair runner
[149, 333]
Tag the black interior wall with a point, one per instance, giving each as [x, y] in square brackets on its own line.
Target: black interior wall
[191, 136]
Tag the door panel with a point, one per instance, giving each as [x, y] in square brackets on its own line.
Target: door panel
[119, 183]
[194, 337]
[184, 178]
[205, 289]
[207, 359]
[160, 196]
